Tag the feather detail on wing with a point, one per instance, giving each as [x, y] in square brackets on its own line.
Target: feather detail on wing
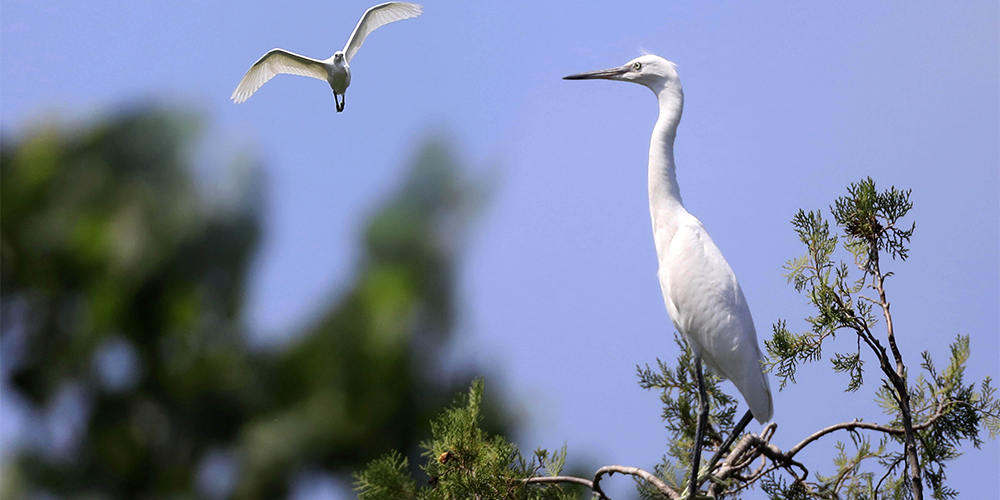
[707, 305]
[276, 61]
[375, 17]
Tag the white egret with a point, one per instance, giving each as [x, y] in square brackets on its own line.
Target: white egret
[336, 70]
[702, 295]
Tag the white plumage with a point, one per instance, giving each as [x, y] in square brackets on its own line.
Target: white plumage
[336, 70]
[700, 290]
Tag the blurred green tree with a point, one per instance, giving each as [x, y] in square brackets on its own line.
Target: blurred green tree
[122, 292]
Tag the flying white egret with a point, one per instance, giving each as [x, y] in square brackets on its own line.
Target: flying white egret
[336, 70]
[703, 297]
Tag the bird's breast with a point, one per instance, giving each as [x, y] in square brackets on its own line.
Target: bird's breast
[339, 77]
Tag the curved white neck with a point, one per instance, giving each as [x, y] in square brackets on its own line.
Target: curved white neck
[664, 194]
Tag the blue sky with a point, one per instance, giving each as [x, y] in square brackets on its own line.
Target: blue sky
[785, 105]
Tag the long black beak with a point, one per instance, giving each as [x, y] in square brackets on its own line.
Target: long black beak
[601, 74]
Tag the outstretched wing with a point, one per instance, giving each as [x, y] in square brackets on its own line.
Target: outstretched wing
[274, 62]
[707, 305]
[375, 17]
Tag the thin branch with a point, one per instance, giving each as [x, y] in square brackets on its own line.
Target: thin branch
[887, 473]
[910, 446]
[560, 479]
[595, 485]
[774, 453]
[747, 482]
[861, 328]
[634, 471]
[845, 474]
[858, 424]
[756, 474]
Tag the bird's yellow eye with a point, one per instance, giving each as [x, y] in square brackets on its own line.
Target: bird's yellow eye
[637, 65]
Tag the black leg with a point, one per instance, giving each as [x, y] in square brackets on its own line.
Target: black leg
[699, 435]
[728, 442]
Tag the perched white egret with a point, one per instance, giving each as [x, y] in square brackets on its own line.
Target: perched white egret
[336, 70]
[703, 297]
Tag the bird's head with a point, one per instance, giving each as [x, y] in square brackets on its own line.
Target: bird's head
[650, 70]
[338, 57]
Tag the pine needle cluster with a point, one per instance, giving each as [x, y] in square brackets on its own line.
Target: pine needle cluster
[462, 460]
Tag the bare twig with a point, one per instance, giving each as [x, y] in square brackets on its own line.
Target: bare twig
[887, 472]
[634, 471]
[595, 485]
[560, 479]
[858, 424]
